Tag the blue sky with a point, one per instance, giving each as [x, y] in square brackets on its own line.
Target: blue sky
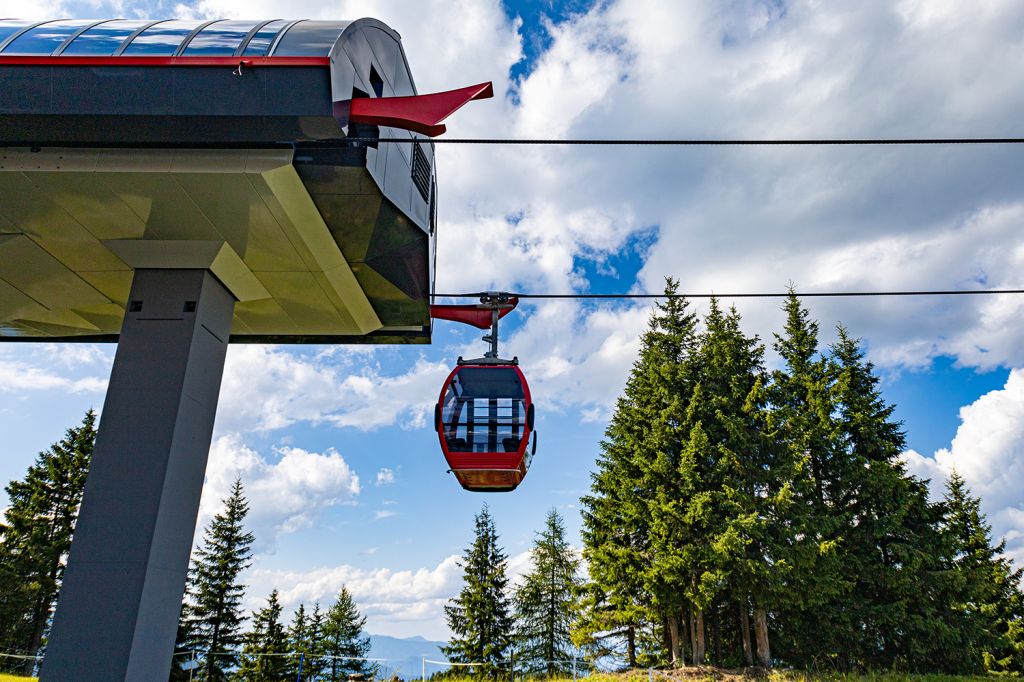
[347, 482]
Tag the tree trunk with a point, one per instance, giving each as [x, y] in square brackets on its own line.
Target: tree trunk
[684, 635]
[673, 631]
[631, 645]
[698, 642]
[693, 636]
[748, 653]
[764, 655]
[716, 634]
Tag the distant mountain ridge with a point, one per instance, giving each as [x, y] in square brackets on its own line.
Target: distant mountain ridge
[405, 654]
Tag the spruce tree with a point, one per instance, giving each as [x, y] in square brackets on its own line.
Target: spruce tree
[212, 616]
[890, 608]
[545, 604]
[479, 616]
[989, 609]
[263, 656]
[299, 641]
[35, 537]
[344, 640]
[314, 663]
[802, 415]
[748, 505]
[624, 596]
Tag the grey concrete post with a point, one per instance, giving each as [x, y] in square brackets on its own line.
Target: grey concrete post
[118, 609]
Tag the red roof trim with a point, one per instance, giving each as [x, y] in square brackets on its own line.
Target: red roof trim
[246, 62]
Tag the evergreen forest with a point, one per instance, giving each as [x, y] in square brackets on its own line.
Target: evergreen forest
[749, 508]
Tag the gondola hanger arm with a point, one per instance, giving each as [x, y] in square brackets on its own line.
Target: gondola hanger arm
[478, 315]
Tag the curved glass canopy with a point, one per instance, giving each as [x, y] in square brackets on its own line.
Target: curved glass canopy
[147, 38]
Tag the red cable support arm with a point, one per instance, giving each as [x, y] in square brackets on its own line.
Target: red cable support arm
[478, 316]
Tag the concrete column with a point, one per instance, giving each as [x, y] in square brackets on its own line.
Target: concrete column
[118, 609]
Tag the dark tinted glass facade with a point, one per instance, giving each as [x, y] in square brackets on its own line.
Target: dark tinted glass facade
[260, 43]
[161, 39]
[310, 38]
[220, 39]
[103, 39]
[45, 39]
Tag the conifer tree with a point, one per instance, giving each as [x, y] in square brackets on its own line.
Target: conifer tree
[35, 536]
[671, 457]
[637, 455]
[750, 534]
[802, 416]
[263, 656]
[889, 608]
[299, 641]
[212, 615]
[345, 641]
[989, 609]
[314, 663]
[479, 616]
[545, 603]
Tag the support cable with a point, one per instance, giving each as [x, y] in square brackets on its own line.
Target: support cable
[699, 142]
[806, 294]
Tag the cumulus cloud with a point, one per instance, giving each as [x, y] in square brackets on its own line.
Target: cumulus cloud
[400, 603]
[385, 476]
[286, 493]
[51, 368]
[396, 602]
[267, 388]
[988, 451]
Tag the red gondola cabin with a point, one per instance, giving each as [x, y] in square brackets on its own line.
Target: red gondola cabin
[484, 419]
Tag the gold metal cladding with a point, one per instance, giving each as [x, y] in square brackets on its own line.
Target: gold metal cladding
[75, 223]
[217, 257]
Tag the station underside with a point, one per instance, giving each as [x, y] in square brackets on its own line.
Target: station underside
[312, 251]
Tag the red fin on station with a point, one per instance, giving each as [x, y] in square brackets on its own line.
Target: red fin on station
[419, 113]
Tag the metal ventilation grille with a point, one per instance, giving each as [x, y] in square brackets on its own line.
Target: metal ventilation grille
[421, 171]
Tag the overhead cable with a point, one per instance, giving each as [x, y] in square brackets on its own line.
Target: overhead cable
[699, 142]
[805, 294]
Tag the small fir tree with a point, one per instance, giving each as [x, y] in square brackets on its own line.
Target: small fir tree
[545, 604]
[314, 663]
[989, 608]
[479, 616]
[212, 614]
[263, 657]
[344, 640]
[298, 643]
[35, 537]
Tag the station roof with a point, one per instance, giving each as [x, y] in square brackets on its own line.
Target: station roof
[169, 38]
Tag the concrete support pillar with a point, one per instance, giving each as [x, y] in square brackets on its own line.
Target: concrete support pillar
[118, 609]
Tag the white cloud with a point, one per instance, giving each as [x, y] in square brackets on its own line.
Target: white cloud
[385, 476]
[45, 369]
[384, 514]
[988, 451]
[396, 602]
[285, 495]
[267, 388]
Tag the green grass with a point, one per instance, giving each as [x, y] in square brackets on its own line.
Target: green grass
[4, 677]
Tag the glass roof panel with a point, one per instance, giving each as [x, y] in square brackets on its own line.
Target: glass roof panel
[161, 40]
[310, 39]
[220, 39]
[104, 39]
[264, 38]
[9, 27]
[43, 40]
